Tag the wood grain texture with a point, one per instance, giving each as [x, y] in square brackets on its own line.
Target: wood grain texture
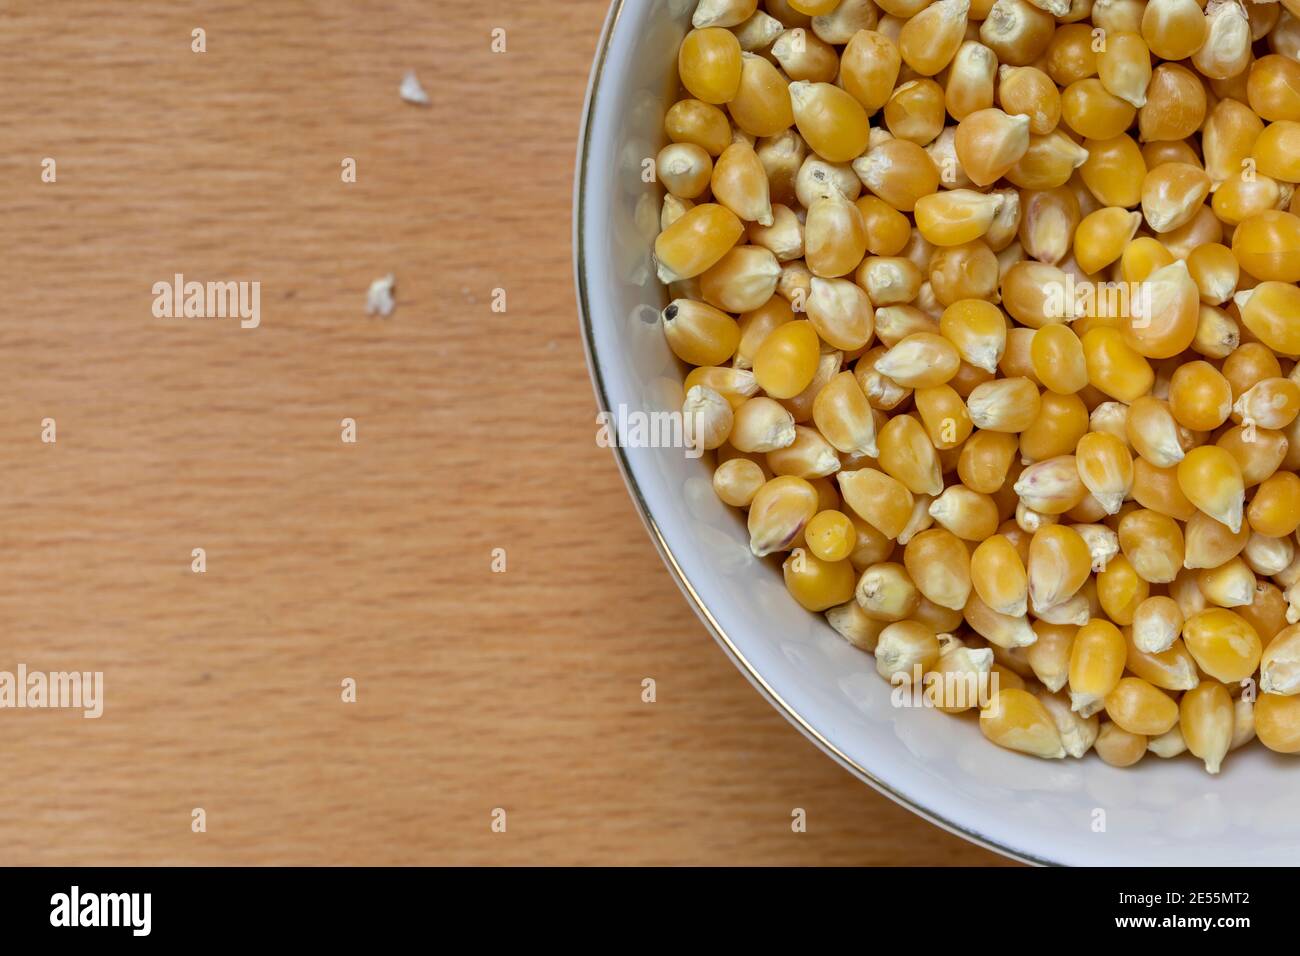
[328, 560]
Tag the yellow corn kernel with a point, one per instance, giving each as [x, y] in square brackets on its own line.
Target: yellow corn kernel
[1101, 237]
[740, 183]
[1105, 468]
[1279, 665]
[886, 592]
[1097, 658]
[1119, 748]
[787, 360]
[1026, 91]
[831, 536]
[841, 313]
[1275, 509]
[1062, 420]
[709, 64]
[830, 120]
[1124, 67]
[842, 414]
[968, 514]
[1047, 222]
[1277, 722]
[1269, 311]
[1017, 720]
[881, 391]
[1224, 644]
[1231, 584]
[1206, 718]
[1153, 543]
[1157, 623]
[700, 124]
[920, 360]
[684, 169]
[1092, 111]
[816, 584]
[723, 13]
[1154, 433]
[1267, 244]
[889, 280]
[999, 577]
[882, 501]
[1271, 403]
[1212, 480]
[817, 179]
[1171, 669]
[1173, 29]
[1225, 52]
[778, 514]
[809, 456]
[930, 39]
[968, 271]
[696, 241]
[1120, 590]
[1048, 162]
[989, 142]
[986, 460]
[1217, 335]
[1004, 405]
[1163, 321]
[898, 172]
[1200, 398]
[1049, 655]
[835, 237]
[1051, 487]
[1215, 271]
[907, 455]
[708, 418]
[1114, 171]
[978, 330]
[939, 564]
[737, 480]
[1243, 723]
[761, 425]
[783, 237]
[1277, 151]
[844, 22]
[805, 56]
[1141, 708]
[1227, 139]
[1017, 31]
[1114, 366]
[735, 385]
[964, 675]
[699, 334]
[869, 68]
[955, 217]
[915, 111]
[1273, 88]
[1059, 563]
[887, 229]
[852, 624]
[1169, 744]
[1172, 193]
[971, 78]
[1144, 256]
[1176, 104]
[1266, 556]
[1210, 543]
[906, 650]
[944, 415]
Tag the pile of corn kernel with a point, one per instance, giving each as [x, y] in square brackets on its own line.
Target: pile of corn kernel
[878, 219]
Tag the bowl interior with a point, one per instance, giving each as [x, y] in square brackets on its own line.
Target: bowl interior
[1068, 811]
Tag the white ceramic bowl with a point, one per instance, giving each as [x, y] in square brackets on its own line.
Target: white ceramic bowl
[1066, 811]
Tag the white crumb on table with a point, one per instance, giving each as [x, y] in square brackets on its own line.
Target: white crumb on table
[379, 298]
[412, 91]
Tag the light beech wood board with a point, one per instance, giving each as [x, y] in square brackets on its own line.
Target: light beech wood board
[328, 560]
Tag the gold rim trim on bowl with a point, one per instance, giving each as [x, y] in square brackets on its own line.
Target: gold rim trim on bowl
[665, 551]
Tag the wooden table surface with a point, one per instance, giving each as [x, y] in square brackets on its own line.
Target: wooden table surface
[329, 560]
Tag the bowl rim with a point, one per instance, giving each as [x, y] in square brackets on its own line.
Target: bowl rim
[580, 183]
